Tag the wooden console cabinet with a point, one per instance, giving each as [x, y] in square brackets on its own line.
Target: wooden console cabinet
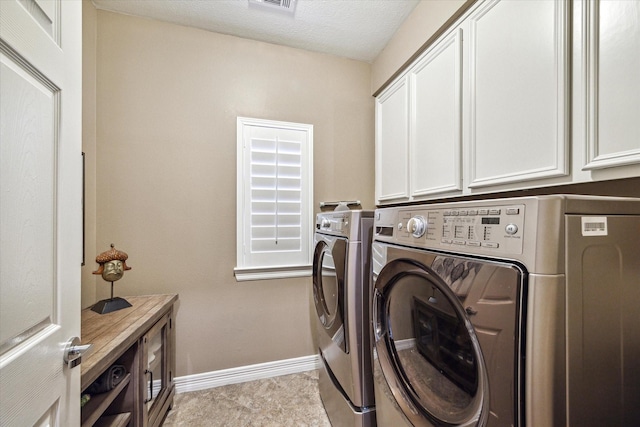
[141, 338]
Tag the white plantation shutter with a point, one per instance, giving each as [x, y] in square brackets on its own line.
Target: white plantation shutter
[274, 199]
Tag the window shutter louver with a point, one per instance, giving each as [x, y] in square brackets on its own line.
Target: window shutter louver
[276, 195]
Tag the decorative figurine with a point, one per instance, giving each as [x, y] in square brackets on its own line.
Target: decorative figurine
[113, 264]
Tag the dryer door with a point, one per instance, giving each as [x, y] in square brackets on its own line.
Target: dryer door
[329, 269]
[427, 347]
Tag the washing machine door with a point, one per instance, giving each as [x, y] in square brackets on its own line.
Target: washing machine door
[329, 270]
[427, 347]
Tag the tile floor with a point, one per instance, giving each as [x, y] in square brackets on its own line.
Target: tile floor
[289, 400]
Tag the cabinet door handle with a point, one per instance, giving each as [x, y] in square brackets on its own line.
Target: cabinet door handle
[146, 371]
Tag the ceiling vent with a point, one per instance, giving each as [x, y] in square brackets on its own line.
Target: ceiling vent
[281, 5]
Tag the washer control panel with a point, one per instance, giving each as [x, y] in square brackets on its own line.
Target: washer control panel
[496, 228]
[333, 222]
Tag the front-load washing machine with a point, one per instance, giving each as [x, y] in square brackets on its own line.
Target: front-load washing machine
[507, 312]
[341, 272]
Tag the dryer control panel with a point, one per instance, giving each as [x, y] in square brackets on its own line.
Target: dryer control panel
[336, 223]
[490, 228]
[350, 224]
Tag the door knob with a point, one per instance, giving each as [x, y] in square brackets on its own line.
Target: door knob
[73, 352]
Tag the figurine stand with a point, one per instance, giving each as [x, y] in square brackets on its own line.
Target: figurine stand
[112, 304]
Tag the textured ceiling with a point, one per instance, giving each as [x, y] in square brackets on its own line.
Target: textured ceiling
[357, 29]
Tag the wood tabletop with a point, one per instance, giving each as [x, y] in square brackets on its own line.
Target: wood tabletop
[114, 333]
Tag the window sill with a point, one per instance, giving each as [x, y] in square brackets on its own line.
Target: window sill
[266, 273]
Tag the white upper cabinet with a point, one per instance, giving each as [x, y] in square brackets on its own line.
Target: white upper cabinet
[518, 124]
[436, 120]
[392, 143]
[419, 128]
[612, 70]
[515, 95]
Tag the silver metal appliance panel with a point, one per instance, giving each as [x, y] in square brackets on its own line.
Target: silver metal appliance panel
[347, 224]
[603, 336]
[329, 290]
[340, 410]
[490, 292]
[388, 413]
[352, 371]
[587, 282]
[525, 229]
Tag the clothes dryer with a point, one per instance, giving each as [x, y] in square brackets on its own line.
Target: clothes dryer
[341, 272]
[507, 312]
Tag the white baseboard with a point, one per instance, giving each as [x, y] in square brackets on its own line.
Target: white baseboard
[246, 373]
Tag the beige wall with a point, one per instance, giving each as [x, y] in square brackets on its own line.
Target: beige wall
[159, 117]
[167, 101]
[89, 25]
[428, 20]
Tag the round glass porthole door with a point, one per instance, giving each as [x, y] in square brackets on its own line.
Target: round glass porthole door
[427, 348]
[329, 262]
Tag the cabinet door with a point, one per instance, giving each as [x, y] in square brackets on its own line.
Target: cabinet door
[392, 143]
[519, 95]
[157, 371]
[436, 119]
[613, 98]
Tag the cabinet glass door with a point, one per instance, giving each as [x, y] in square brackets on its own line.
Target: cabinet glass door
[155, 369]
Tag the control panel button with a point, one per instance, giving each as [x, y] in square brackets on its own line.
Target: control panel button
[473, 243]
[511, 229]
[494, 211]
[483, 211]
[492, 245]
[513, 211]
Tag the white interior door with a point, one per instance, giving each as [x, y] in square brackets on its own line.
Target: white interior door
[40, 210]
